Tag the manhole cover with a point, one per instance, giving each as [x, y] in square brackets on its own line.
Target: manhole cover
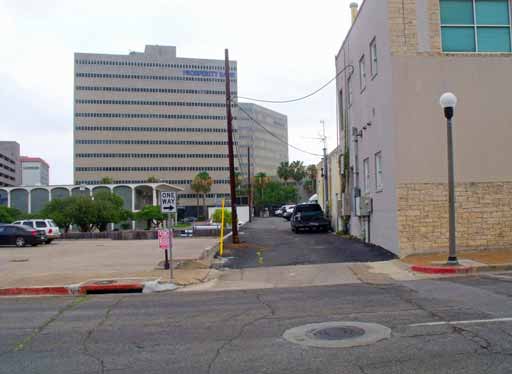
[337, 334]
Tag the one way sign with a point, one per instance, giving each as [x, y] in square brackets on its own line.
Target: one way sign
[168, 202]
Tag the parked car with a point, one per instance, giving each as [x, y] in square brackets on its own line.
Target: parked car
[309, 217]
[20, 235]
[279, 212]
[288, 212]
[51, 230]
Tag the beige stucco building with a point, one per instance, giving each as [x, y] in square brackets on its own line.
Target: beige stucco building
[151, 114]
[404, 55]
[265, 132]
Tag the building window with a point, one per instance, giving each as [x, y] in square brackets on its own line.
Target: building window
[373, 57]
[475, 25]
[362, 73]
[378, 171]
[350, 93]
[366, 175]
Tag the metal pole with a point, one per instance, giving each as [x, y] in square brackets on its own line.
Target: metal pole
[166, 265]
[234, 224]
[452, 257]
[326, 187]
[249, 190]
[169, 223]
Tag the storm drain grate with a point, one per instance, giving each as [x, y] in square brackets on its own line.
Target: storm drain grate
[337, 334]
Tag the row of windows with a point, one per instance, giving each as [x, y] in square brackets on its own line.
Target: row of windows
[149, 77]
[10, 160]
[150, 115]
[152, 65]
[151, 102]
[6, 167]
[150, 168]
[134, 181]
[151, 155]
[152, 142]
[154, 90]
[10, 177]
[475, 25]
[362, 71]
[208, 195]
[150, 129]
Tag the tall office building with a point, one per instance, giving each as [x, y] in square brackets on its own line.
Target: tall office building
[10, 174]
[260, 129]
[151, 114]
[34, 171]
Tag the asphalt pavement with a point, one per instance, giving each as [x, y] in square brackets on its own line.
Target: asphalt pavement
[270, 242]
[448, 326]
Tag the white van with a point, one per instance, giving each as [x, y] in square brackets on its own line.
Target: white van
[51, 229]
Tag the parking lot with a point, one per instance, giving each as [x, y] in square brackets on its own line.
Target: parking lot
[72, 261]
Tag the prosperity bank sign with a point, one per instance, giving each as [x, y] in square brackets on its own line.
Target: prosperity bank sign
[208, 73]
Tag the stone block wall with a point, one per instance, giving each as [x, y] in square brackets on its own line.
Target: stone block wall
[484, 216]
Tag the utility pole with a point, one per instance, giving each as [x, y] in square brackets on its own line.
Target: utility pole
[249, 190]
[234, 224]
[326, 176]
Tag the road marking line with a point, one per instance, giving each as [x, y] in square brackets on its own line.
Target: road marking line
[475, 321]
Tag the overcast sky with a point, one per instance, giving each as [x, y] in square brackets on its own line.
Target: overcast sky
[284, 49]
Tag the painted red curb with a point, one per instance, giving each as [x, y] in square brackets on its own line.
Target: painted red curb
[111, 287]
[55, 291]
[441, 269]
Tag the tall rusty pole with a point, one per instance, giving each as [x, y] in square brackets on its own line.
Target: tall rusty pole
[234, 224]
[249, 189]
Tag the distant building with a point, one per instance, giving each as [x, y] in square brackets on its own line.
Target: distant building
[34, 171]
[10, 173]
[152, 114]
[398, 58]
[267, 151]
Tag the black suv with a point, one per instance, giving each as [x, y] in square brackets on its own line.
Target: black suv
[309, 217]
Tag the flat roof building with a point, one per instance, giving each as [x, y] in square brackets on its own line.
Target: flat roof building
[34, 171]
[398, 58]
[10, 173]
[260, 129]
[151, 114]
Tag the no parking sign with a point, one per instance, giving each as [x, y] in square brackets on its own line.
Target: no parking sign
[163, 239]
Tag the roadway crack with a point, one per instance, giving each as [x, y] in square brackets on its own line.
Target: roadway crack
[89, 334]
[482, 342]
[21, 345]
[240, 332]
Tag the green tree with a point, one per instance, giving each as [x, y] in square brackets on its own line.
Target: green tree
[275, 193]
[283, 171]
[106, 180]
[9, 215]
[202, 184]
[309, 186]
[152, 179]
[312, 173]
[60, 211]
[84, 211]
[260, 181]
[297, 171]
[109, 209]
[217, 216]
[151, 214]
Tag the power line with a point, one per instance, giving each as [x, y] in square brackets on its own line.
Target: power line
[275, 136]
[302, 97]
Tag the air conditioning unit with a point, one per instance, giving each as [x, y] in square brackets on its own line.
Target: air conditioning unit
[365, 205]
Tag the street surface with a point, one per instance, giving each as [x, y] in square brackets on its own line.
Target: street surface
[241, 331]
[272, 243]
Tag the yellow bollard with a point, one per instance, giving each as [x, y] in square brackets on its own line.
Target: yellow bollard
[221, 246]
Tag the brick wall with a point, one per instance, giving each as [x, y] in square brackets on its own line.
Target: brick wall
[484, 216]
[403, 31]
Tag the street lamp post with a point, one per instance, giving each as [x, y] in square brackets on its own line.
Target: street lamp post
[448, 102]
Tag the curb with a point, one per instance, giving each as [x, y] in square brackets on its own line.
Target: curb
[429, 269]
[74, 290]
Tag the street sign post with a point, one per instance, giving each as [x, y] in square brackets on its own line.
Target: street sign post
[168, 205]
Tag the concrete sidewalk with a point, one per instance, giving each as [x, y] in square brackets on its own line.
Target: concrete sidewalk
[306, 276]
[67, 262]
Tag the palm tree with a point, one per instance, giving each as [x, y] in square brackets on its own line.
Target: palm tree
[106, 180]
[202, 183]
[284, 171]
[260, 181]
[297, 171]
[312, 173]
[152, 179]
